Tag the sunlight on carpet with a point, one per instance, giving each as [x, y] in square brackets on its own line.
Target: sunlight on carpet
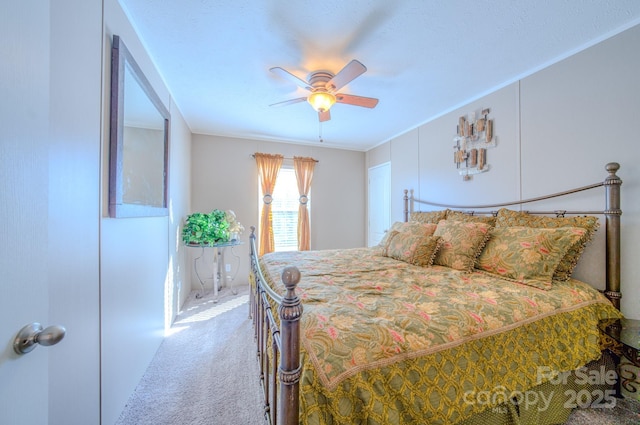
[214, 310]
[203, 310]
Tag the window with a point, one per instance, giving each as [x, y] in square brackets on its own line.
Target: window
[284, 211]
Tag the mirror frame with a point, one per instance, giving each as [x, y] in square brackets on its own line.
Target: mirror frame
[120, 59]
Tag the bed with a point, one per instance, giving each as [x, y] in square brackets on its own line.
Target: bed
[462, 314]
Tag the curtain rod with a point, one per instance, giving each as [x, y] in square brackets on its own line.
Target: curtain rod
[286, 157]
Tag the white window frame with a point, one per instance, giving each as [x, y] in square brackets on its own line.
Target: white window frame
[284, 210]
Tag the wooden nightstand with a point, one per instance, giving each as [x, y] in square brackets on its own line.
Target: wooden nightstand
[625, 334]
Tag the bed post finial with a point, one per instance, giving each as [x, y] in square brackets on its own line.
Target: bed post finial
[405, 198]
[290, 369]
[252, 236]
[612, 216]
[252, 243]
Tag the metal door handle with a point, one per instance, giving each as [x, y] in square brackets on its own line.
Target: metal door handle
[33, 334]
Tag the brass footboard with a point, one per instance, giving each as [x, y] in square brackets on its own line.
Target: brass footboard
[281, 389]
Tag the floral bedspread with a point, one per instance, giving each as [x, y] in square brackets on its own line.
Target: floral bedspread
[388, 342]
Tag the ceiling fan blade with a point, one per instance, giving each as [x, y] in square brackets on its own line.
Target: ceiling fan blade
[324, 116]
[289, 102]
[289, 76]
[367, 102]
[346, 75]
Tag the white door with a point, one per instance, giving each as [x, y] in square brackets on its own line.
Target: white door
[49, 211]
[379, 202]
[23, 211]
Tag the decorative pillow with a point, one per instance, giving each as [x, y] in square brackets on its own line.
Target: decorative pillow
[414, 249]
[463, 242]
[415, 227]
[527, 255]
[507, 218]
[428, 216]
[384, 242]
[423, 229]
[462, 216]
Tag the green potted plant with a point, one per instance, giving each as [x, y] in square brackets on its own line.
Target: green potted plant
[206, 229]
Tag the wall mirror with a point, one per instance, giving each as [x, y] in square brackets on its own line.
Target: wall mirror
[139, 141]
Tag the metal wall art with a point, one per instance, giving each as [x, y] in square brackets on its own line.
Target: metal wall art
[474, 137]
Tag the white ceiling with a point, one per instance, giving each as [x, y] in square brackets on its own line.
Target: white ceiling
[424, 57]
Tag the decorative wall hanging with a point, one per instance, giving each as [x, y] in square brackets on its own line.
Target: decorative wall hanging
[474, 137]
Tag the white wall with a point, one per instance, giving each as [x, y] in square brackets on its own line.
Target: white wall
[142, 264]
[224, 176]
[177, 284]
[74, 207]
[556, 130]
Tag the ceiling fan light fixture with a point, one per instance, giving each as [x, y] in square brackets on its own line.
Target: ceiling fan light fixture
[321, 101]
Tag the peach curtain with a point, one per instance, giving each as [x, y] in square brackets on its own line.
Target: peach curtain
[268, 168]
[304, 173]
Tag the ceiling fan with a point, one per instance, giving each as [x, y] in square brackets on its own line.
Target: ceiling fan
[324, 86]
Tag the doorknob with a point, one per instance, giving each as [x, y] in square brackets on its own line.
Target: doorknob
[33, 334]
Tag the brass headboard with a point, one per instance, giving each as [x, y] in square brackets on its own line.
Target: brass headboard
[611, 212]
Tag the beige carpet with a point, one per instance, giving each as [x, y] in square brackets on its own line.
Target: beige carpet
[626, 412]
[206, 372]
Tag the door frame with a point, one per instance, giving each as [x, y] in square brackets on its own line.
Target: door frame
[385, 168]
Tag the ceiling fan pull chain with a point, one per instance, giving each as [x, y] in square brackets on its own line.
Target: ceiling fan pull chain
[320, 131]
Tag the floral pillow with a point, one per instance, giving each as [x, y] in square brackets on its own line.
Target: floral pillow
[384, 242]
[462, 216]
[507, 218]
[428, 216]
[415, 227]
[463, 242]
[414, 249]
[527, 255]
[423, 229]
